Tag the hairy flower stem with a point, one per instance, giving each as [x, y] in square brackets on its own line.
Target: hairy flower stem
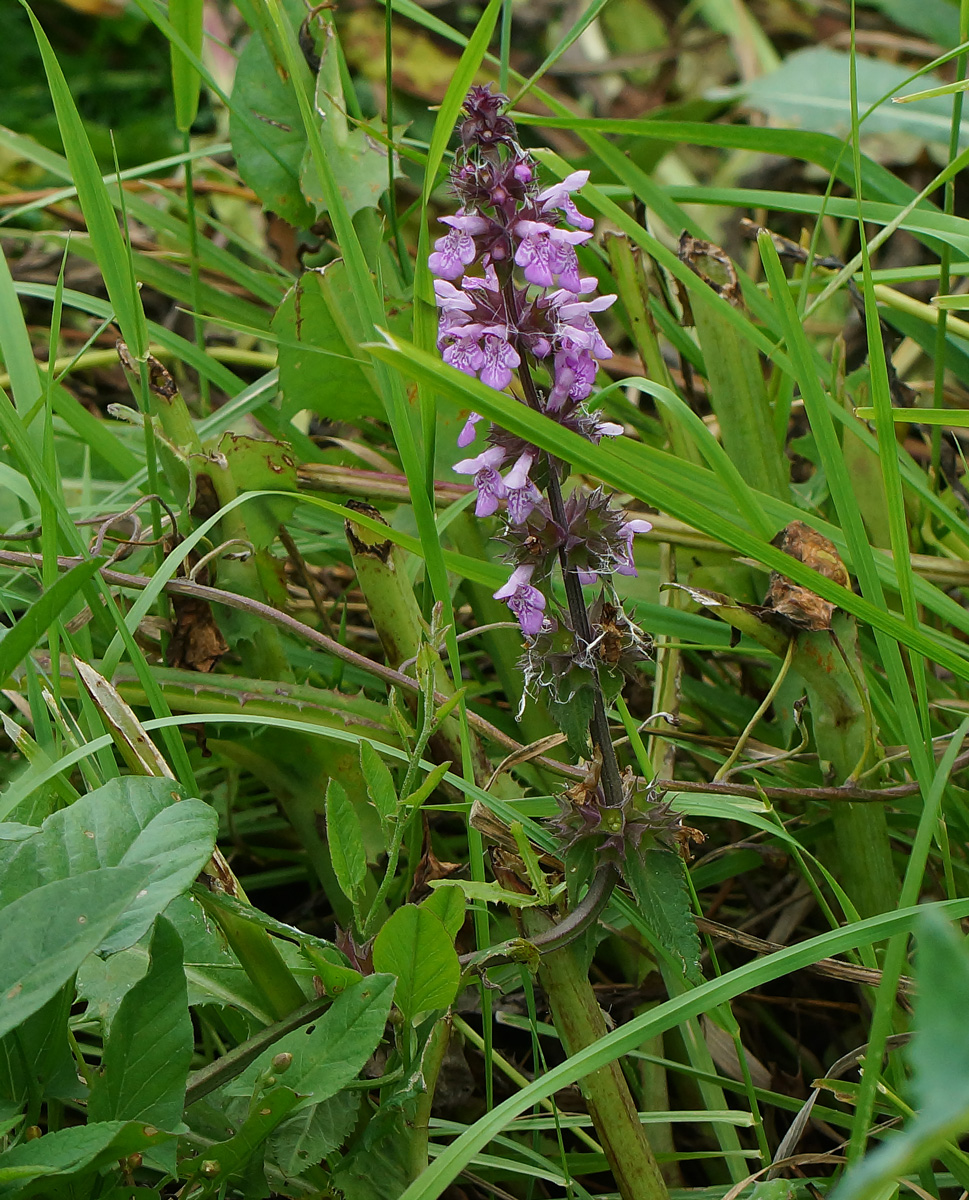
[601, 738]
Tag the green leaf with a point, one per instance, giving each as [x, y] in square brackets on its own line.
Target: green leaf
[490, 893]
[130, 821]
[69, 1151]
[345, 838]
[415, 946]
[656, 877]
[101, 222]
[260, 464]
[37, 1056]
[269, 149]
[315, 1131]
[358, 162]
[318, 366]
[810, 90]
[223, 1159]
[380, 782]
[431, 780]
[446, 902]
[939, 1058]
[42, 615]
[332, 1051]
[213, 972]
[149, 1049]
[66, 920]
[186, 19]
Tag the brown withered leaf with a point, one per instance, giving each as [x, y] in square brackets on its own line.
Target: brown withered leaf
[159, 378]
[431, 868]
[196, 643]
[797, 605]
[713, 266]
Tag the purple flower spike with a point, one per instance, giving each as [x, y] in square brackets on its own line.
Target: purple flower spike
[559, 196]
[525, 601]
[626, 532]
[490, 485]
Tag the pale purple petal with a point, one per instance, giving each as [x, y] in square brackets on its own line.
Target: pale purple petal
[499, 359]
[491, 492]
[521, 501]
[467, 434]
[450, 298]
[637, 525]
[452, 254]
[559, 196]
[466, 355]
[519, 577]
[525, 601]
[470, 223]
[492, 458]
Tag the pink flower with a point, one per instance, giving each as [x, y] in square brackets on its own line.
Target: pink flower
[559, 196]
[525, 601]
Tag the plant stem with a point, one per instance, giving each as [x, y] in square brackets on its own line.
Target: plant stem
[599, 728]
[580, 1023]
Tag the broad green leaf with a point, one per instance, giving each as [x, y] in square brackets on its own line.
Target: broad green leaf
[149, 1049]
[446, 902]
[42, 614]
[658, 884]
[318, 366]
[810, 91]
[269, 150]
[37, 1055]
[331, 1051]
[415, 946]
[70, 1151]
[315, 1131]
[358, 162]
[936, 20]
[380, 782]
[345, 838]
[47, 934]
[131, 821]
[213, 972]
[223, 1159]
[939, 1058]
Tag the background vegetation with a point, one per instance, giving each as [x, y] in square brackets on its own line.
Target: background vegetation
[273, 814]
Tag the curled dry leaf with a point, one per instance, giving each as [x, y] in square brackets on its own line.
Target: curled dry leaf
[713, 266]
[798, 605]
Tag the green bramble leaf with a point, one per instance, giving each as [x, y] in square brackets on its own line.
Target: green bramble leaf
[345, 838]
